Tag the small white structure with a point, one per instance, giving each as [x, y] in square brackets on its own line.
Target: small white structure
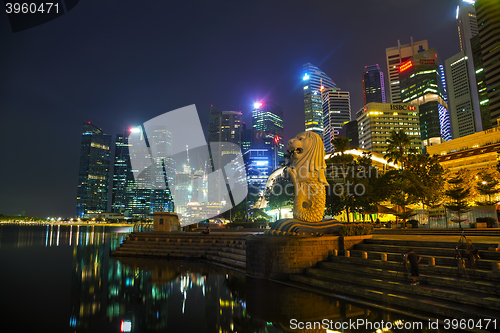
[165, 221]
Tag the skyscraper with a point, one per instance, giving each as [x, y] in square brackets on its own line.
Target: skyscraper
[464, 101]
[376, 122]
[460, 95]
[93, 174]
[224, 132]
[137, 196]
[482, 93]
[488, 22]
[267, 125]
[422, 83]
[395, 57]
[373, 85]
[336, 113]
[312, 80]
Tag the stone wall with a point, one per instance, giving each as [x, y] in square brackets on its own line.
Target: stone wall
[275, 257]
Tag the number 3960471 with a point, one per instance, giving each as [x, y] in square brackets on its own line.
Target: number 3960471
[31, 8]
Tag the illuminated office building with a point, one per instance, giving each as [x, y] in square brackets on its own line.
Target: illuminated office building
[138, 196]
[376, 122]
[267, 126]
[396, 56]
[258, 163]
[225, 130]
[312, 81]
[422, 83]
[461, 103]
[93, 173]
[467, 29]
[373, 85]
[488, 22]
[336, 113]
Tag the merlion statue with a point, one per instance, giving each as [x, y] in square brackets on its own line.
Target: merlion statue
[307, 172]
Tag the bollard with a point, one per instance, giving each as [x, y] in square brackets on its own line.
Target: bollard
[364, 255]
[495, 266]
[347, 253]
[335, 253]
[432, 261]
[383, 257]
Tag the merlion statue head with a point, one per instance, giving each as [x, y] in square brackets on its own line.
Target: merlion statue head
[308, 156]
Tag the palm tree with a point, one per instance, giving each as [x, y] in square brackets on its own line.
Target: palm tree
[399, 148]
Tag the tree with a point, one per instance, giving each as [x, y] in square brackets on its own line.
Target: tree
[399, 146]
[341, 145]
[280, 194]
[458, 192]
[429, 178]
[487, 186]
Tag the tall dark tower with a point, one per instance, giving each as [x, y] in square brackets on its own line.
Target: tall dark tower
[373, 85]
[93, 174]
[488, 22]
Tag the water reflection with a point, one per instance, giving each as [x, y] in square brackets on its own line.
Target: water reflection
[144, 295]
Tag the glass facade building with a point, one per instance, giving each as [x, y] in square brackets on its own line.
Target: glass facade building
[488, 22]
[336, 113]
[373, 85]
[421, 81]
[396, 56]
[93, 173]
[149, 191]
[267, 126]
[312, 81]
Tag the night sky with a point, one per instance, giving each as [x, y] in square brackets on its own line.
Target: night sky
[120, 63]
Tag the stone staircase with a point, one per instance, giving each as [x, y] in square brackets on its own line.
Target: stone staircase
[441, 293]
[218, 247]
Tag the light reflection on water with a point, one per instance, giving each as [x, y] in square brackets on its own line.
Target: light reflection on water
[105, 294]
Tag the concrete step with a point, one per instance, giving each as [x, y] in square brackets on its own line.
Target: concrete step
[388, 296]
[423, 268]
[424, 249]
[419, 243]
[485, 264]
[227, 261]
[487, 287]
[230, 249]
[229, 255]
[399, 284]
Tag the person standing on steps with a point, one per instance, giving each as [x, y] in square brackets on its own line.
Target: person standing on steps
[413, 259]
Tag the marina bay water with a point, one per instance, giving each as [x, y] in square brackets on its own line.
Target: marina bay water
[63, 279]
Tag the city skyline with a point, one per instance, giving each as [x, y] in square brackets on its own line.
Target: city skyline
[51, 88]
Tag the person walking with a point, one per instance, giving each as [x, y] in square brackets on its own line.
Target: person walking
[413, 259]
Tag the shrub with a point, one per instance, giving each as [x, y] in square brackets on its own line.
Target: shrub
[353, 229]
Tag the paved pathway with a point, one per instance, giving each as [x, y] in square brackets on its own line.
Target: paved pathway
[440, 238]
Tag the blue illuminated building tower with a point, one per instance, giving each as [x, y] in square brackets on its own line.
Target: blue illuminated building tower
[267, 127]
[373, 85]
[312, 81]
[422, 83]
[93, 174]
